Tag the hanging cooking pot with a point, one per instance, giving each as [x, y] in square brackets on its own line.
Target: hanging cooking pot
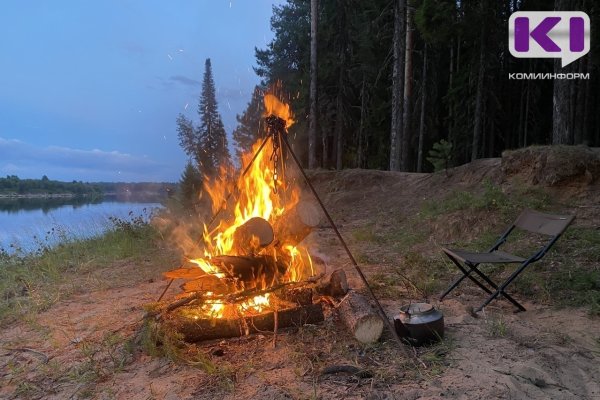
[419, 324]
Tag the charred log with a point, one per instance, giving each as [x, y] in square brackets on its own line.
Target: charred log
[252, 236]
[297, 223]
[301, 296]
[336, 286]
[197, 330]
[248, 271]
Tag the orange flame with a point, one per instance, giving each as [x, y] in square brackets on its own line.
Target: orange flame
[256, 197]
[275, 107]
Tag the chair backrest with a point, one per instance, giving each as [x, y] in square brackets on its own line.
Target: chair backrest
[546, 224]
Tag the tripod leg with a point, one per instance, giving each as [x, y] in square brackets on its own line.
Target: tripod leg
[343, 242]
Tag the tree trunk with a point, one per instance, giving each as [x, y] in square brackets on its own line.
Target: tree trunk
[408, 90]
[521, 115]
[579, 108]
[423, 104]
[312, 128]
[361, 129]
[339, 112]
[451, 103]
[360, 318]
[324, 149]
[479, 98]
[397, 85]
[526, 119]
[562, 132]
[588, 136]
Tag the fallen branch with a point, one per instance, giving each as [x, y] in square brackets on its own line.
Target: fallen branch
[348, 369]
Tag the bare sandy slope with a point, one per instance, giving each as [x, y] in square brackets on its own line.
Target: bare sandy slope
[543, 353]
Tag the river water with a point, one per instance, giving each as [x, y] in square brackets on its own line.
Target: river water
[28, 224]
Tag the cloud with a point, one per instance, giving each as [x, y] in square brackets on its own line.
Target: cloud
[65, 163]
[184, 80]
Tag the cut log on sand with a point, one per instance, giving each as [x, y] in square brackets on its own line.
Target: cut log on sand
[206, 329]
[337, 286]
[297, 223]
[252, 236]
[360, 318]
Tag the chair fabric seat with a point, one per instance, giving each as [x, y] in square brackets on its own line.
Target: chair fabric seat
[495, 257]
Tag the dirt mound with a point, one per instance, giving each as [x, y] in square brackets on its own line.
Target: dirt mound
[553, 165]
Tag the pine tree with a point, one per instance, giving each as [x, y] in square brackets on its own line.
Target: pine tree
[250, 124]
[188, 137]
[190, 184]
[213, 145]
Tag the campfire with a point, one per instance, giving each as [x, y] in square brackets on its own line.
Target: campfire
[253, 262]
[254, 272]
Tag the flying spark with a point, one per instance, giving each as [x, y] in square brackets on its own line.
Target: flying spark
[186, 106]
[170, 58]
[228, 105]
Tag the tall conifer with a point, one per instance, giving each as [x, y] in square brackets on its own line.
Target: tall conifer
[250, 124]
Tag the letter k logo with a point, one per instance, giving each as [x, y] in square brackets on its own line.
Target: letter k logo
[539, 34]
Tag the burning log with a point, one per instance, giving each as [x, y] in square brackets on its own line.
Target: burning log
[197, 330]
[363, 322]
[301, 296]
[337, 286]
[297, 223]
[197, 280]
[252, 236]
[251, 270]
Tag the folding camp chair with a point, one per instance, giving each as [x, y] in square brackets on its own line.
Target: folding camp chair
[529, 220]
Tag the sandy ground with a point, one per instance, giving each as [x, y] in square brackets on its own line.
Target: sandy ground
[538, 354]
[77, 349]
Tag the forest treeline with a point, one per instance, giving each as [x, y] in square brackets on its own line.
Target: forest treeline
[404, 85]
[401, 81]
[13, 185]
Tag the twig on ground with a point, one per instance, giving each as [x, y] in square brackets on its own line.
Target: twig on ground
[275, 323]
[44, 357]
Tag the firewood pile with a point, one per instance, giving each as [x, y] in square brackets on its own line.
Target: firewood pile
[248, 294]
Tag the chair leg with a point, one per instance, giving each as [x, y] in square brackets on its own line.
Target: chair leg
[466, 274]
[494, 295]
[500, 289]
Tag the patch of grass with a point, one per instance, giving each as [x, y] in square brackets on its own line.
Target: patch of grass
[435, 357]
[34, 282]
[366, 234]
[576, 286]
[497, 326]
[426, 275]
[385, 285]
[492, 197]
[159, 340]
